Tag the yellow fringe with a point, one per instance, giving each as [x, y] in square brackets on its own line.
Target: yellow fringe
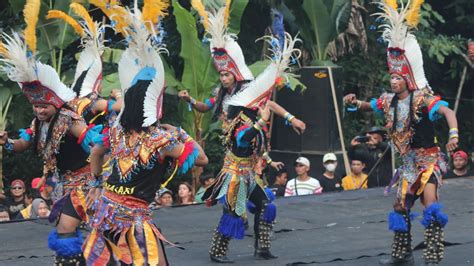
[227, 12]
[425, 176]
[199, 6]
[137, 255]
[30, 13]
[151, 245]
[392, 3]
[115, 12]
[413, 14]
[89, 243]
[152, 10]
[81, 11]
[68, 19]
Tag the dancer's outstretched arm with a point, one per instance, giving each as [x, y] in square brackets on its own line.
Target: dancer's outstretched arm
[352, 100]
[199, 106]
[453, 125]
[16, 145]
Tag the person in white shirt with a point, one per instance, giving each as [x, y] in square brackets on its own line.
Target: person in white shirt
[303, 184]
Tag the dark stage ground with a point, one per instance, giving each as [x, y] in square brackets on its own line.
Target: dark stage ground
[348, 228]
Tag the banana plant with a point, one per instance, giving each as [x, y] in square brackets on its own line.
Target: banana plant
[319, 23]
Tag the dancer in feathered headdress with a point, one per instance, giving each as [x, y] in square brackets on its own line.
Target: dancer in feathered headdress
[58, 134]
[245, 124]
[88, 76]
[141, 150]
[410, 111]
[229, 61]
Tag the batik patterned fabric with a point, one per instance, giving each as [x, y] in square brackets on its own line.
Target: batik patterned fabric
[123, 232]
[419, 164]
[122, 226]
[235, 183]
[423, 103]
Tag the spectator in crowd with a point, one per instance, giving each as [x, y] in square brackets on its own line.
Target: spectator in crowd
[17, 200]
[303, 184]
[206, 180]
[460, 167]
[185, 194]
[472, 159]
[278, 187]
[329, 180]
[375, 148]
[37, 209]
[356, 179]
[4, 216]
[163, 198]
[42, 190]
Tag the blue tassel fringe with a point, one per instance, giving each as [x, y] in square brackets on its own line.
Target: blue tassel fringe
[65, 247]
[269, 214]
[433, 213]
[396, 222]
[231, 226]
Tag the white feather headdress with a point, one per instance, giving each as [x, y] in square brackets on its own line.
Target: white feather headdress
[404, 55]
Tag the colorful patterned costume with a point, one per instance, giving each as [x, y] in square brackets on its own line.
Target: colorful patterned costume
[411, 129]
[64, 154]
[123, 231]
[122, 226]
[239, 184]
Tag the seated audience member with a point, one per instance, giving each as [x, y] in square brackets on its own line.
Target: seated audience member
[303, 184]
[356, 179]
[205, 180]
[38, 209]
[329, 180]
[185, 194]
[278, 187]
[460, 167]
[376, 149]
[17, 200]
[42, 190]
[4, 216]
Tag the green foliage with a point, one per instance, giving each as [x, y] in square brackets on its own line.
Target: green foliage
[320, 21]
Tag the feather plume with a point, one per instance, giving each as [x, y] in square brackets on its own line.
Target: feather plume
[3, 50]
[154, 9]
[227, 12]
[30, 13]
[413, 14]
[16, 63]
[115, 12]
[68, 19]
[81, 11]
[392, 3]
[199, 6]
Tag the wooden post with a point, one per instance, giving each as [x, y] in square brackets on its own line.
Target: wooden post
[461, 84]
[339, 124]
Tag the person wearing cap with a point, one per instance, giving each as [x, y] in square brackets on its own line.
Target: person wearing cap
[330, 180]
[42, 189]
[378, 154]
[163, 198]
[460, 166]
[410, 111]
[17, 200]
[303, 184]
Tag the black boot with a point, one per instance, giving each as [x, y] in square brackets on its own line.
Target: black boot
[434, 237]
[219, 248]
[401, 248]
[77, 260]
[262, 240]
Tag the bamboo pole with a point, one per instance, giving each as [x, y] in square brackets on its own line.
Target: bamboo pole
[461, 84]
[339, 124]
